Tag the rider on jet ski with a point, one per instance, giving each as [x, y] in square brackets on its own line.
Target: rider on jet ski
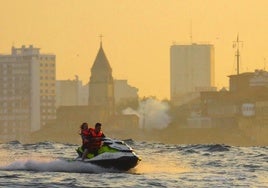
[92, 139]
[84, 132]
[111, 153]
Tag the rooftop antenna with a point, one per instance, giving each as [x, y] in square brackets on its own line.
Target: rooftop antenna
[236, 45]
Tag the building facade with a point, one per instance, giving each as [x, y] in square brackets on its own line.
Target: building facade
[192, 70]
[27, 91]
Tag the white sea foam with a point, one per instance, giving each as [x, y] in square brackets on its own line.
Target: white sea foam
[52, 165]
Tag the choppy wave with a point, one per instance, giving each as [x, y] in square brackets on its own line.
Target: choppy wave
[49, 164]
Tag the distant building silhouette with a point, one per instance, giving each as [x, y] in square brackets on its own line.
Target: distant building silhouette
[101, 84]
[74, 93]
[27, 94]
[244, 108]
[102, 91]
[100, 106]
[191, 71]
[71, 93]
[123, 92]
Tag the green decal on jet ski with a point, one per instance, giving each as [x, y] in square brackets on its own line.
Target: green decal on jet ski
[106, 149]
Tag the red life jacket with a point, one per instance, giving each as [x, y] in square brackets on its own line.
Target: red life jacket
[84, 135]
[95, 139]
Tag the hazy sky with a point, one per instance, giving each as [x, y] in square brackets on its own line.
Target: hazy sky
[137, 35]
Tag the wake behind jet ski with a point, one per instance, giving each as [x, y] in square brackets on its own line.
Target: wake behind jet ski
[112, 154]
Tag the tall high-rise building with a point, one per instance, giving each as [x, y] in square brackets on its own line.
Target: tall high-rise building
[27, 92]
[191, 70]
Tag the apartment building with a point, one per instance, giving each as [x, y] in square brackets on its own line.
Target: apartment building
[27, 92]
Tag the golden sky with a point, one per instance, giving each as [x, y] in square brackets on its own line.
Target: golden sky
[137, 35]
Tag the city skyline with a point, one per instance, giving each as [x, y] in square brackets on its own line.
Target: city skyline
[137, 36]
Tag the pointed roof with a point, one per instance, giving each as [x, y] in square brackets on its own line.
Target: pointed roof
[101, 62]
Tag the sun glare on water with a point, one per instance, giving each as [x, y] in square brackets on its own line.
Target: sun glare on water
[163, 166]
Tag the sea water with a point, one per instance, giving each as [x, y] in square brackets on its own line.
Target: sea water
[48, 164]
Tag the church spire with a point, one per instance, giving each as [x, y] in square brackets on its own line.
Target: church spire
[101, 83]
[101, 62]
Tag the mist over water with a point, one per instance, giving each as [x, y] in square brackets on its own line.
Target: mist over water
[153, 114]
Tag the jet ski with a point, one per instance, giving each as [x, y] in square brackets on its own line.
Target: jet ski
[112, 154]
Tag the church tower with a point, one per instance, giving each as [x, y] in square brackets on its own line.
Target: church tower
[101, 85]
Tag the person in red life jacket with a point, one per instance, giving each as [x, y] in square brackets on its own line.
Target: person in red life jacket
[84, 132]
[95, 139]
